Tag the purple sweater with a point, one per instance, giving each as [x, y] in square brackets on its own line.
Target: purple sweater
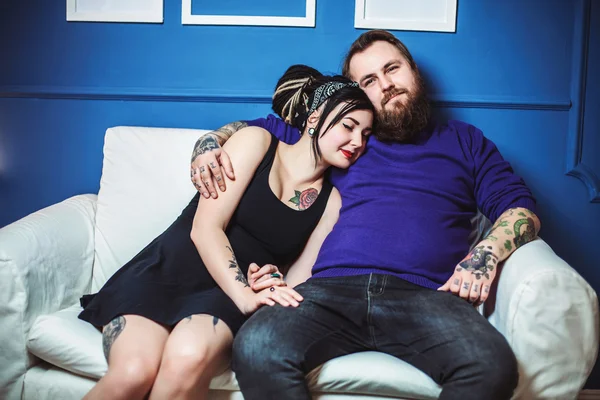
[406, 208]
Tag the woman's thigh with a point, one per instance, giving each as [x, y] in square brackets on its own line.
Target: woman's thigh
[130, 339]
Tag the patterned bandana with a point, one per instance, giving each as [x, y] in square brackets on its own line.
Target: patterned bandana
[325, 91]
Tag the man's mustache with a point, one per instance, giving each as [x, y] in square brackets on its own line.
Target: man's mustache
[393, 92]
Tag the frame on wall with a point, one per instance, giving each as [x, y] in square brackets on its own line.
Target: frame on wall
[187, 18]
[406, 15]
[115, 11]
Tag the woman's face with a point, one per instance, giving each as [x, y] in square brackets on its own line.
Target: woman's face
[345, 141]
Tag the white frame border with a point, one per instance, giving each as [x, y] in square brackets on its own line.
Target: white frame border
[405, 25]
[187, 18]
[154, 14]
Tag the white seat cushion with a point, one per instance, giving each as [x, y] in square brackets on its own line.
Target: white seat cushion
[76, 346]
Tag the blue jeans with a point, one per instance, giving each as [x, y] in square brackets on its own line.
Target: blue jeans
[437, 332]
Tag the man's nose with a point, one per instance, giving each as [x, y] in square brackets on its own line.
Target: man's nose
[386, 83]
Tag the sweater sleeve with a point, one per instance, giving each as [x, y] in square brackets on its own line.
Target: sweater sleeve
[278, 128]
[497, 187]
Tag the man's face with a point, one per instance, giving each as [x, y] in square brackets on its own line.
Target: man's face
[395, 89]
[384, 74]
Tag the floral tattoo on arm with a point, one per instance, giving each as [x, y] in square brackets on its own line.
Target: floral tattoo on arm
[239, 277]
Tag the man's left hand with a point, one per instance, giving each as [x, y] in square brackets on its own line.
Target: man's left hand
[473, 276]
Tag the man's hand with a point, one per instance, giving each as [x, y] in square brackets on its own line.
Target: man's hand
[474, 275]
[265, 277]
[209, 162]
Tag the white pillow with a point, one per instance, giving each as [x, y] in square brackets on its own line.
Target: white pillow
[144, 187]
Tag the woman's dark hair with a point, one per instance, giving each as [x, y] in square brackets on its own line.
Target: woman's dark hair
[295, 92]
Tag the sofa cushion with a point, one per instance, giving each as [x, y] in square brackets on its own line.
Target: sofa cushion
[145, 185]
[67, 342]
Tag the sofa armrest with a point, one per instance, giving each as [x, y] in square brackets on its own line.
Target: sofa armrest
[45, 265]
[549, 315]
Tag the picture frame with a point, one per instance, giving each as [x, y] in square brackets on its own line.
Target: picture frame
[406, 15]
[137, 11]
[187, 18]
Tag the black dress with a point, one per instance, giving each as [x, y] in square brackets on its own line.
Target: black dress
[167, 281]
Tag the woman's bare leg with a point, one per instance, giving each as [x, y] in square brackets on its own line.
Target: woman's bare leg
[133, 346]
[198, 349]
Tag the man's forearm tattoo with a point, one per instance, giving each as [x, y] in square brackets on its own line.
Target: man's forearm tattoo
[524, 229]
[203, 145]
[111, 332]
[226, 131]
[239, 274]
[481, 262]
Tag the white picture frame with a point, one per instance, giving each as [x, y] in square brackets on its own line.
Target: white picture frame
[406, 15]
[187, 18]
[140, 11]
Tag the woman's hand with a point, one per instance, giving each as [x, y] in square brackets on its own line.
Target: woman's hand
[265, 277]
[282, 295]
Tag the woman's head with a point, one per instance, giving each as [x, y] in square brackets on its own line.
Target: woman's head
[318, 105]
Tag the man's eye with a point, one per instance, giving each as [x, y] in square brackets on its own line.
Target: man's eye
[368, 82]
[392, 68]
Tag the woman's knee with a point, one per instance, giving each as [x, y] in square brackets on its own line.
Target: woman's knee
[135, 374]
[187, 362]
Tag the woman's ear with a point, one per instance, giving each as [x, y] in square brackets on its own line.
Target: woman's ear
[313, 118]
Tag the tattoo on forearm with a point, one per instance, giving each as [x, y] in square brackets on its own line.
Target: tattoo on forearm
[481, 262]
[524, 229]
[239, 277]
[203, 145]
[226, 131]
[111, 332]
[304, 199]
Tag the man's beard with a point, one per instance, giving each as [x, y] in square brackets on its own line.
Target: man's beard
[404, 121]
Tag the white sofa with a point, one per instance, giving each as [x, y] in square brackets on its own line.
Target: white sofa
[48, 259]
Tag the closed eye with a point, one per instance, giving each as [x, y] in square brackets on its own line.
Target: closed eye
[348, 127]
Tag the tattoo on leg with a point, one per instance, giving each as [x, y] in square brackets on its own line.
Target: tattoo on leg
[239, 274]
[481, 262]
[111, 332]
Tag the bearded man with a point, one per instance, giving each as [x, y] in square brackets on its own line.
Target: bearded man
[395, 274]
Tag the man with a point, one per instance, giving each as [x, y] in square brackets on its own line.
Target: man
[392, 276]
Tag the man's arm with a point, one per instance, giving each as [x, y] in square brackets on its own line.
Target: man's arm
[209, 160]
[474, 275]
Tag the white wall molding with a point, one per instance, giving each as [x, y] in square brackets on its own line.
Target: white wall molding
[575, 166]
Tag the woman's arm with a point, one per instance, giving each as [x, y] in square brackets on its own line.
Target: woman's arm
[212, 217]
[301, 269]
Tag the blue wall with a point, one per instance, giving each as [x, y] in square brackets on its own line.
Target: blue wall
[511, 69]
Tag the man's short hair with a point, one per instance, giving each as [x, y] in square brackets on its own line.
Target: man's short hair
[365, 41]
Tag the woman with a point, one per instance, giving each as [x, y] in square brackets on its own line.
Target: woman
[169, 315]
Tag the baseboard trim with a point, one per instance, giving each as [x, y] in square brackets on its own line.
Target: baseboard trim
[589, 394]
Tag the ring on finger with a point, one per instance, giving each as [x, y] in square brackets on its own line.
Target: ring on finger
[272, 289]
[275, 275]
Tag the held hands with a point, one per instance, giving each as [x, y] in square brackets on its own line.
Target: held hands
[209, 162]
[474, 275]
[268, 289]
